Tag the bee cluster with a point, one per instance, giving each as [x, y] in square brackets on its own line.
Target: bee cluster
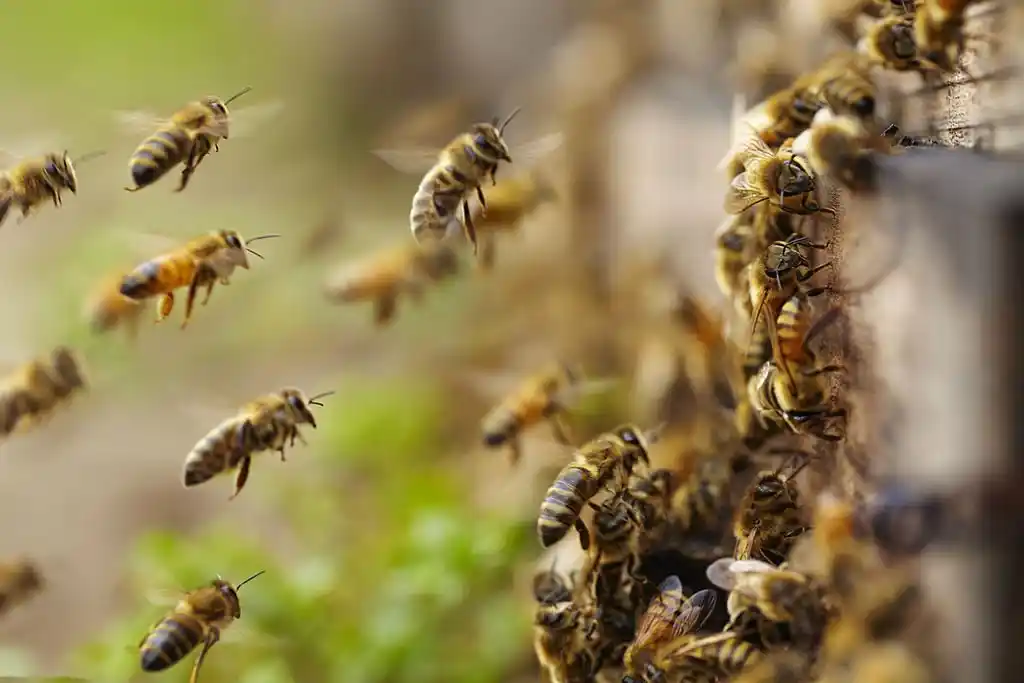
[709, 567]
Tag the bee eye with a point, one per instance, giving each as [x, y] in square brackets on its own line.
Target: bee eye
[629, 436]
[234, 242]
[295, 402]
[50, 168]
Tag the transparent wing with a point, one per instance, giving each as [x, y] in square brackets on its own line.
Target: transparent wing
[248, 120]
[720, 573]
[658, 621]
[535, 150]
[163, 597]
[139, 121]
[411, 160]
[26, 147]
[694, 612]
[742, 194]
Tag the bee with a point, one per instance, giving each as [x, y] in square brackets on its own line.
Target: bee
[384, 276]
[33, 181]
[848, 88]
[605, 461]
[187, 136]
[541, 397]
[939, 31]
[890, 43]
[34, 392]
[699, 500]
[734, 249]
[107, 308]
[783, 666]
[842, 148]
[202, 262]
[782, 596]
[670, 618]
[508, 204]
[199, 617]
[789, 391]
[20, 580]
[784, 115]
[458, 171]
[783, 179]
[264, 424]
[770, 516]
[559, 631]
[710, 658]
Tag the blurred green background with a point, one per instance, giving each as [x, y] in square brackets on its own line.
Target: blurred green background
[395, 548]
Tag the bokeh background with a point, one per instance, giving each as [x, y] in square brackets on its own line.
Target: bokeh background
[396, 548]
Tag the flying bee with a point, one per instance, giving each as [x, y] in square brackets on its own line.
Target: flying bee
[508, 204]
[20, 580]
[188, 136]
[669, 617]
[782, 596]
[199, 617]
[606, 461]
[770, 516]
[107, 308]
[783, 179]
[31, 395]
[385, 276]
[202, 262]
[264, 424]
[458, 172]
[29, 184]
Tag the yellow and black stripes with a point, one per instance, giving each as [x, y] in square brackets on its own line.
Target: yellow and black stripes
[169, 642]
[564, 500]
[158, 154]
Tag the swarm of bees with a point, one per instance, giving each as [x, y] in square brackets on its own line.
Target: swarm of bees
[711, 566]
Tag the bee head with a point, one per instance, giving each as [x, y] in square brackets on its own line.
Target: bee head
[230, 594]
[235, 251]
[298, 405]
[59, 169]
[216, 115]
[562, 615]
[794, 178]
[769, 487]
[901, 41]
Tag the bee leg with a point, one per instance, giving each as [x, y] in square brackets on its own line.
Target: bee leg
[468, 227]
[384, 309]
[190, 167]
[209, 292]
[204, 275]
[584, 533]
[515, 450]
[242, 475]
[480, 196]
[5, 207]
[212, 636]
[164, 306]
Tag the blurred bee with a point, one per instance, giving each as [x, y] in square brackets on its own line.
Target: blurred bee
[782, 596]
[891, 662]
[710, 658]
[783, 666]
[939, 31]
[508, 204]
[199, 617]
[385, 275]
[29, 184]
[20, 580]
[770, 516]
[668, 620]
[560, 627]
[842, 148]
[848, 88]
[34, 392]
[700, 499]
[789, 391]
[458, 171]
[734, 249]
[890, 43]
[107, 308]
[540, 397]
[202, 262]
[187, 136]
[264, 424]
[781, 178]
[604, 462]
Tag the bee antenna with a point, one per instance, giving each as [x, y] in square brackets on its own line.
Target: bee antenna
[261, 237]
[314, 402]
[508, 119]
[91, 155]
[262, 571]
[255, 253]
[237, 95]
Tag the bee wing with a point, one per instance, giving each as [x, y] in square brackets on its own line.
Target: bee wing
[247, 120]
[742, 194]
[163, 597]
[720, 573]
[139, 121]
[657, 623]
[533, 151]
[411, 160]
[695, 612]
[572, 394]
[27, 147]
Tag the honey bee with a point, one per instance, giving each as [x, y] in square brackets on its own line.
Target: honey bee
[848, 88]
[781, 596]
[939, 31]
[560, 627]
[734, 249]
[890, 43]
[458, 171]
[669, 619]
[710, 658]
[700, 499]
[842, 148]
[541, 397]
[199, 617]
[780, 178]
[605, 461]
[107, 308]
[795, 396]
[34, 392]
[33, 181]
[20, 580]
[770, 516]
[264, 424]
[202, 262]
[508, 204]
[187, 136]
[386, 275]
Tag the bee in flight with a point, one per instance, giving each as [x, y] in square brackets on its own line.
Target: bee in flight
[108, 309]
[35, 391]
[20, 580]
[199, 617]
[264, 424]
[187, 137]
[458, 172]
[386, 275]
[202, 262]
[30, 183]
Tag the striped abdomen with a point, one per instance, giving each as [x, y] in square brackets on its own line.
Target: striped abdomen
[159, 276]
[436, 202]
[217, 452]
[170, 641]
[564, 501]
[158, 154]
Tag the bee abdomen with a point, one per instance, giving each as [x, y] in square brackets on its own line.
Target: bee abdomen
[169, 642]
[157, 155]
[140, 282]
[210, 457]
[562, 505]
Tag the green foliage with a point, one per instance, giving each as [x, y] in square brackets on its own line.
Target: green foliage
[413, 586]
